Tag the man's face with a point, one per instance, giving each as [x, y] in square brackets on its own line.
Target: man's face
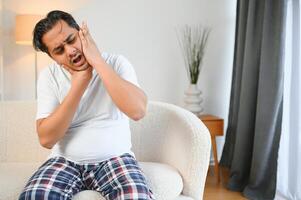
[64, 46]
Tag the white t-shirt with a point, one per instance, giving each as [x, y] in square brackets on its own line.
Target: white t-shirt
[99, 130]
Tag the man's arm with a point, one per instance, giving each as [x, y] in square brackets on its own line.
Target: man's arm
[130, 99]
[53, 128]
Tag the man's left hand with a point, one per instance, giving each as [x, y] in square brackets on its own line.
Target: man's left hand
[89, 47]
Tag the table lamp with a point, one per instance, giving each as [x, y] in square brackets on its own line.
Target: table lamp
[23, 35]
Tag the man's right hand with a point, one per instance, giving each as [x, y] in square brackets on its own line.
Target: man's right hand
[80, 79]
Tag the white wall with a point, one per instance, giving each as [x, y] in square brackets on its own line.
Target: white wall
[143, 31]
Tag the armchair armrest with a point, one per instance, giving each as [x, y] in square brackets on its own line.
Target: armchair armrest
[174, 136]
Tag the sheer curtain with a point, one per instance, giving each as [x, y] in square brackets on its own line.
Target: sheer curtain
[289, 157]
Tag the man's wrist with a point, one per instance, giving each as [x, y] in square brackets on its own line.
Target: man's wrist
[78, 89]
[99, 61]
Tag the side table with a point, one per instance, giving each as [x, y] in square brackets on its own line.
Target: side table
[215, 126]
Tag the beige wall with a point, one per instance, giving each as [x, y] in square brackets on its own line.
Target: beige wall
[1, 52]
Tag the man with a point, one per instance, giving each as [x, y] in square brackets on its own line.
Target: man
[84, 102]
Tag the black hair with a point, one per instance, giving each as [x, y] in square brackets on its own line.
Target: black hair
[46, 24]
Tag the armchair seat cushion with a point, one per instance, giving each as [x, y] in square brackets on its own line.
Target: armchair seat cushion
[165, 181]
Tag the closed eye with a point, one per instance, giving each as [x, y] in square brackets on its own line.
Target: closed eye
[71, 40]
[59, 50]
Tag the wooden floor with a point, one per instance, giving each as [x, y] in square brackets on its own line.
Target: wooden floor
[214, 191]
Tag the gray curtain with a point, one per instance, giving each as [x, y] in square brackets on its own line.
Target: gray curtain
[255, 115]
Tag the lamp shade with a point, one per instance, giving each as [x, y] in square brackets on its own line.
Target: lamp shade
[24, 28]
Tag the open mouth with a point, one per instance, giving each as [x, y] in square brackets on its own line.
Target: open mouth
[76, 59]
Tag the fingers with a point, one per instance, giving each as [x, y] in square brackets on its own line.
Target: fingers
[84, 29]
[82, 38]
[83, 32]
[86, 33]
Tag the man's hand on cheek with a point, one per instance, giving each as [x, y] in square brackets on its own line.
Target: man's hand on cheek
[80, 78]
[89, 47]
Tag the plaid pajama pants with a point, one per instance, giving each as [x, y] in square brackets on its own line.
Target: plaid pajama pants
[116, 178]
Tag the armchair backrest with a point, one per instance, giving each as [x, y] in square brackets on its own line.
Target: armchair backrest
[152, 137]
[18, 138]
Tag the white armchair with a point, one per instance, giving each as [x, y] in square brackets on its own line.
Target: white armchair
[171, 144]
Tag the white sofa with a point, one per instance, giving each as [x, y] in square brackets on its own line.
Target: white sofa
[171, 144]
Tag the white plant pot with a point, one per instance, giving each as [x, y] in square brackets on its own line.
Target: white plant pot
[193, 99]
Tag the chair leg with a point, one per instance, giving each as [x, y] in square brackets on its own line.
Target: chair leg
[216, 167]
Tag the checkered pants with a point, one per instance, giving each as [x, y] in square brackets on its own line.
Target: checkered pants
[116, 178]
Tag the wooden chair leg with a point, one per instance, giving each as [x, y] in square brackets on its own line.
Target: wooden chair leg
[216, 167]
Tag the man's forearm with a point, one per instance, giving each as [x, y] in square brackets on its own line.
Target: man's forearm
[128, 98]
[54, 127]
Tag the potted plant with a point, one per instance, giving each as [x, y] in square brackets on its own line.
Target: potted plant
[193, 42]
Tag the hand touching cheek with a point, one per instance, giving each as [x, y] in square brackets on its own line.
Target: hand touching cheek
[80, 79]
[89, 47]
